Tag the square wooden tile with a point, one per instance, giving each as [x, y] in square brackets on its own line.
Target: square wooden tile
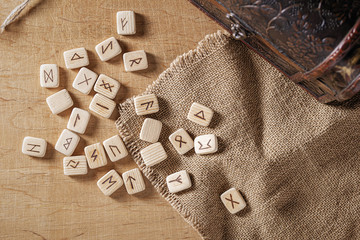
[95, 155]
[67, 142]
[108, 49]
[150, 130]
[60, 101]
[200, 114]
[76, 58]
[78, 120]
[134, 182]
[107, 86]
[153, 154]
[102, 105]
[84, 80]
[49, 76]
[233, 201]
[115, 148]
[206, 144]
[35, 147]
[181, 141]
[178, 181]
[146, 104]
[135, 61]
[110, 182]
[75, 165]
[126, 24]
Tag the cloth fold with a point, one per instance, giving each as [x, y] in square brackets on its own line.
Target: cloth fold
[295, 161]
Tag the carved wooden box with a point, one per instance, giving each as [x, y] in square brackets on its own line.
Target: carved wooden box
[316, 43]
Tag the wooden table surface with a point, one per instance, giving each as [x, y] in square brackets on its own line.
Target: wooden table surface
[37, 201]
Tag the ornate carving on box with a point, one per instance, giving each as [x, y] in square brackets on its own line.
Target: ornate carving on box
[314, 42]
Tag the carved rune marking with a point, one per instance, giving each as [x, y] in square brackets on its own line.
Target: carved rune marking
[67, 143]
[102, 106]
[32, 149]
[111, 148]
[77, 118]
[106, 85]
[130, 178]
[123, 23]
[86, 80]
[49, 76]
[178, 179]
[178, 138]
[200, 113]
[110, 181]
[136, 61]
[203, 148]
[149, 104]
[104, 50]
[232, 201]
[76, 57]
[94, 156]
[72, 165]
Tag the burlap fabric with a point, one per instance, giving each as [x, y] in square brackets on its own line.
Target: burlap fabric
[296, 161]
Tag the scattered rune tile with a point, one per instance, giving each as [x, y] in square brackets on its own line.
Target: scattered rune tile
[59, 102]
[49, 76]
[75, 165]
[108, 49]
[110, 182]
[78, 120]
[115, 148]
[76, 58]
[95, 155]
[181, 141]
[107, 86]
[67, 142]
[84, 80]
[134, 181]
[126, 24]
[102, 105]
[146, 104]
[153, 154]
[206, 144]
[200, 114]
[178, 181]
[150, 130]
[135, 61]
[35, 147]
[233, 201]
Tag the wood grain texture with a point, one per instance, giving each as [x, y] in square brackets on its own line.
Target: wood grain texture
[36, 200]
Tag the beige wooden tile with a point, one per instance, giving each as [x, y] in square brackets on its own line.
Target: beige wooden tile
[110, 182]
[67, 142]
[102, 105]
[75, 165]
[200, 114]
[76, 58]
[126, 24]
[135, 61]
[181, 141]
[59, 102]
[178, 181]
[95, 155]
[78, 120]
[107, 86]
[153, 154]
[233, 200]
[115, 148]
[49, 76]
[108, 49]
[35, 147]
[84, 80]
[146, 104]
[134, 182]
[150, 130]
[206, 144]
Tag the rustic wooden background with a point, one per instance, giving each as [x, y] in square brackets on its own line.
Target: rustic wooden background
[37, 201]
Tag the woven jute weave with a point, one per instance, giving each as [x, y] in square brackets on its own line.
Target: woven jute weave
[295, 161]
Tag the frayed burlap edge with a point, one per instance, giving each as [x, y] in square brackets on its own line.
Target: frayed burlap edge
[205, 48]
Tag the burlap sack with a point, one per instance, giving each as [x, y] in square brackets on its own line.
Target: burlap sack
[296, 161]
